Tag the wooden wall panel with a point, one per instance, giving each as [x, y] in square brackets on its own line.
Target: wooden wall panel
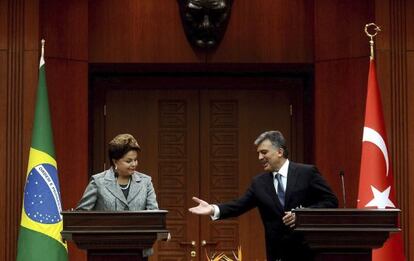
[341, 72]
[138, 31]
[409, 22]
[30, 82]
[339, 115]
[65, 28]
[17, 25]
[3, 152]
[409, 230]
[339, 28]
[3, 24]
[274, 31]
[395, 18]
[141, 31]
[382, 19]
[399, 103]
[31, 23]
[13, 169]
[68, 97]
[3, 119]
[394, 71]
[64, 25]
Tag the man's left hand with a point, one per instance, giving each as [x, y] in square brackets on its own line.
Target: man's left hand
[289, 219]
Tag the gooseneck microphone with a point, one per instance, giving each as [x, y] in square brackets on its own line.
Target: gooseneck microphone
[342, 174]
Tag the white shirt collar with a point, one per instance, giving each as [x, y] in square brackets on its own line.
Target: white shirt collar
[283, 170]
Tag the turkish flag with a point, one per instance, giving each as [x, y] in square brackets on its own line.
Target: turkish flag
[376, 181]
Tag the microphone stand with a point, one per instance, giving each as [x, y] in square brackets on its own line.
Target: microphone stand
[342, 174]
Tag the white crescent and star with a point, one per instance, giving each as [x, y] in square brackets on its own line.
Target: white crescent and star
[381, 198]
[371, 135]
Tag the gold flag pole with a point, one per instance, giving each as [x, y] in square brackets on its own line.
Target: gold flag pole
[371, 36]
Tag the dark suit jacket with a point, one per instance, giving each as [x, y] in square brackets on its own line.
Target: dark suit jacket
[305, 187]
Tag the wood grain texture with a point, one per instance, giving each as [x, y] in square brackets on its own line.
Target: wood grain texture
[31, 25]
[3, 24]
[3, 152]
[138, 31]
[399, 103]
[14, 77]
[268, 31]
[394, 77]
[339, 28]
[30, 83]
[340, 92]
[68, 99]
[382, 19]
[64, 26]
[409, 12]
[143, 32]
[409, 226]
[15, 172]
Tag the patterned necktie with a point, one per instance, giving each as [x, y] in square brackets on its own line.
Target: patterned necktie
[280, 190]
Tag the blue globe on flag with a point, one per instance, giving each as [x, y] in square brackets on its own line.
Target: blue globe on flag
[42, 196]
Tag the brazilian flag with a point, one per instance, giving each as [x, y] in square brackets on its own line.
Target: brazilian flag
[41, 223]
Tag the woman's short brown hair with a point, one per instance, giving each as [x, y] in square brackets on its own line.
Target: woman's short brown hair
[121, 145]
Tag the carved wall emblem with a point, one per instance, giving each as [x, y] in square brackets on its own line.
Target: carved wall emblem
[205, 21]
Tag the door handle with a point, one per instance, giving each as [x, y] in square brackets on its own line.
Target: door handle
[191, 243]
[205, 243]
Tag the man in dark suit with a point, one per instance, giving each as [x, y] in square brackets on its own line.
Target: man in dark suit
[284, 186]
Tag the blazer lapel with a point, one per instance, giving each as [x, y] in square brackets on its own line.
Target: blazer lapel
[134, 188]
[292, 178]
[112, 186]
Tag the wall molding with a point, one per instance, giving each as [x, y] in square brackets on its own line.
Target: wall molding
[14, 175]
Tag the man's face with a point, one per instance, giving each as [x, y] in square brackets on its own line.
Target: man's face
[270, 156]
[205, 21]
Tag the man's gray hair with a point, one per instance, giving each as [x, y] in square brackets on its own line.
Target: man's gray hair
[276, 138]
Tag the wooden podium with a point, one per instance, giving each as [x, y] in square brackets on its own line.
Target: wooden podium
[114, 236]
[346, 234]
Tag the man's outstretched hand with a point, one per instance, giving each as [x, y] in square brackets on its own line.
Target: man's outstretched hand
[203, 207]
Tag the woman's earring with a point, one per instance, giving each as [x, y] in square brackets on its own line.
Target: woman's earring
[116, 167]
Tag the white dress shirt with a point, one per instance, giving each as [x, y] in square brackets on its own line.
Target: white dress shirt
[283, 171]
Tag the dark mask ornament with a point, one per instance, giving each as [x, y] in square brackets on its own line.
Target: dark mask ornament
[205, 21]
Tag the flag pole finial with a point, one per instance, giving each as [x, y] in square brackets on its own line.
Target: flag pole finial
[43, 48]
[376, 29]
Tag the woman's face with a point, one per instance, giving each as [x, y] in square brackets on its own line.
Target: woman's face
[126, 165]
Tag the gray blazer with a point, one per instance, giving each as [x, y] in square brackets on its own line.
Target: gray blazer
[104, 193]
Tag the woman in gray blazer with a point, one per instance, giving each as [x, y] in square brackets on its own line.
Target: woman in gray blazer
[120, 187]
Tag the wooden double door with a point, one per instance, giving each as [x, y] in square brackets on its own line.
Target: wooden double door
[197, 143]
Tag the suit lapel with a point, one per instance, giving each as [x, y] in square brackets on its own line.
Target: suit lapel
[113, 187]
[135, 188]
[292, 178]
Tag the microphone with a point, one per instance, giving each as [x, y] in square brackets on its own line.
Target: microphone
[341, 174]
